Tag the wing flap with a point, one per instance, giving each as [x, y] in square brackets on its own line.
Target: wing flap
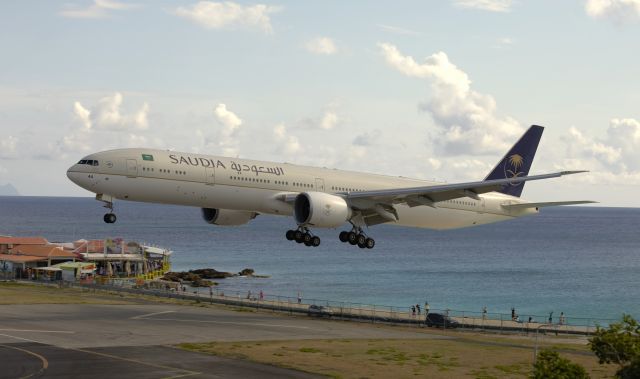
[546, 204]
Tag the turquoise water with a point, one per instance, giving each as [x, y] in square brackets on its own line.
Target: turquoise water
[584, 261]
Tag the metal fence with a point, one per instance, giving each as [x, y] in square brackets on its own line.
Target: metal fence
[496, 322]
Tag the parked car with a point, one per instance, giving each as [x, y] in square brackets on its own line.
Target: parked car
[319, 310]
[441, 321]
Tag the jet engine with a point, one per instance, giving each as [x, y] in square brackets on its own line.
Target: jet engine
[227, 217]
[321, 209]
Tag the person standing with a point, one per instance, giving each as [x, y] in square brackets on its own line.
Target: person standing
[426, 308]
[484, 312]
[261, 295]
[561, 320]
[413, 311]
[299, 297]
[418, 308]
[551, 317]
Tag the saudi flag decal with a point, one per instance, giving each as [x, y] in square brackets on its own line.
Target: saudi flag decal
[147, 157]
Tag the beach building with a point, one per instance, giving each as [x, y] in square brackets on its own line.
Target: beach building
[21, 256]
[82, 260]
[7, 242]
[116, 258]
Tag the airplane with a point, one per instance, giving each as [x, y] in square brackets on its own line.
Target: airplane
[233, 191]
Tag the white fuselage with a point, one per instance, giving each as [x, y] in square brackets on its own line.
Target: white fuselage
[239, 184]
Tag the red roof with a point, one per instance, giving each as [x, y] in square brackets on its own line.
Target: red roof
[49, 251]
[21, 258]
[23, 240]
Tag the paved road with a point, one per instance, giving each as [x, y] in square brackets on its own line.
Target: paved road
[106, 341]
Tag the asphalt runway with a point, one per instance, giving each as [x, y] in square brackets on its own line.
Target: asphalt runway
[107, 341]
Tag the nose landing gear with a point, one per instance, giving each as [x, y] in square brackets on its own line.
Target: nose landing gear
[110, 217]
[357, 237]
[303, 235]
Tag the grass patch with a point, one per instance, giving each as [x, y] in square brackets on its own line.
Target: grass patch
[432, 358]
[309, 350]
[18, 293]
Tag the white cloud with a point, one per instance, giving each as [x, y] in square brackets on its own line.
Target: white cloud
[617, 154]
[230, 124]
[215, 15]
[398, 30]
[434, 163]
[322, 46]
[487, 5]
[286, 143]
[82, 114]
[504, 42]
[615, 10]
[107, 114]
[100, 127]
[8, 147]
[329, 120]
[367, 139]
[99, 9]
[468, 121]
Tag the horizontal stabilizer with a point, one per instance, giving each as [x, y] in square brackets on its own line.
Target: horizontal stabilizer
[547, 204]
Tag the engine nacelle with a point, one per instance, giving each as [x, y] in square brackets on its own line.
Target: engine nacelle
[321, 209]
[227, 217]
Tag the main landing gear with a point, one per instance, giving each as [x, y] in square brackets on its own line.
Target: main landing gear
[357, 237]
[303, 235]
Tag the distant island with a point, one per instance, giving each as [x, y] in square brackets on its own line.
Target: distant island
[8, 190]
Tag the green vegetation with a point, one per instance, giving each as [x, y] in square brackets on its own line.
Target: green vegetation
[619, 344]
[550, 365]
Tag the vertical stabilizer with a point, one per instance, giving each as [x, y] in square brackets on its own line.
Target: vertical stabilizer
[517, 162]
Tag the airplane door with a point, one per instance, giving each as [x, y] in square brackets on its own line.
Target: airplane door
[210, 173]
[319, 184]
[132, 168]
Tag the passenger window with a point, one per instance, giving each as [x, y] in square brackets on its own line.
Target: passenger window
[95, 163]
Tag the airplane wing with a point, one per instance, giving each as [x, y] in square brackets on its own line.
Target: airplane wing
[377, 205]
[432, 194]
[546, 204]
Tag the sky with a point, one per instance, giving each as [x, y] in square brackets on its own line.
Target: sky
[425, 89]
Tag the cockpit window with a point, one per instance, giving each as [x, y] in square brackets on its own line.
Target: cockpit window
[90, 162]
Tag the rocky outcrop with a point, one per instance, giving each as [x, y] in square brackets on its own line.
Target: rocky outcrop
[210, 273]
[193, 279]
[246, 272]
[199, 277]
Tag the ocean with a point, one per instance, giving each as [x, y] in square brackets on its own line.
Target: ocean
[583, 261]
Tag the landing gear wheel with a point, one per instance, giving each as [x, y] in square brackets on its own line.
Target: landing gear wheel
[344, 236]
[352, 237]
[361, 239]
[306, 237]
[362, 245]
[109, 218]
[315, 241]
[298, 236]
[291, 235]
[370, 243]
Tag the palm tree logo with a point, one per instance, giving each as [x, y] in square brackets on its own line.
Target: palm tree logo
[514, 164]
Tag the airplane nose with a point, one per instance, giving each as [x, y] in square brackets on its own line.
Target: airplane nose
[72, 175]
